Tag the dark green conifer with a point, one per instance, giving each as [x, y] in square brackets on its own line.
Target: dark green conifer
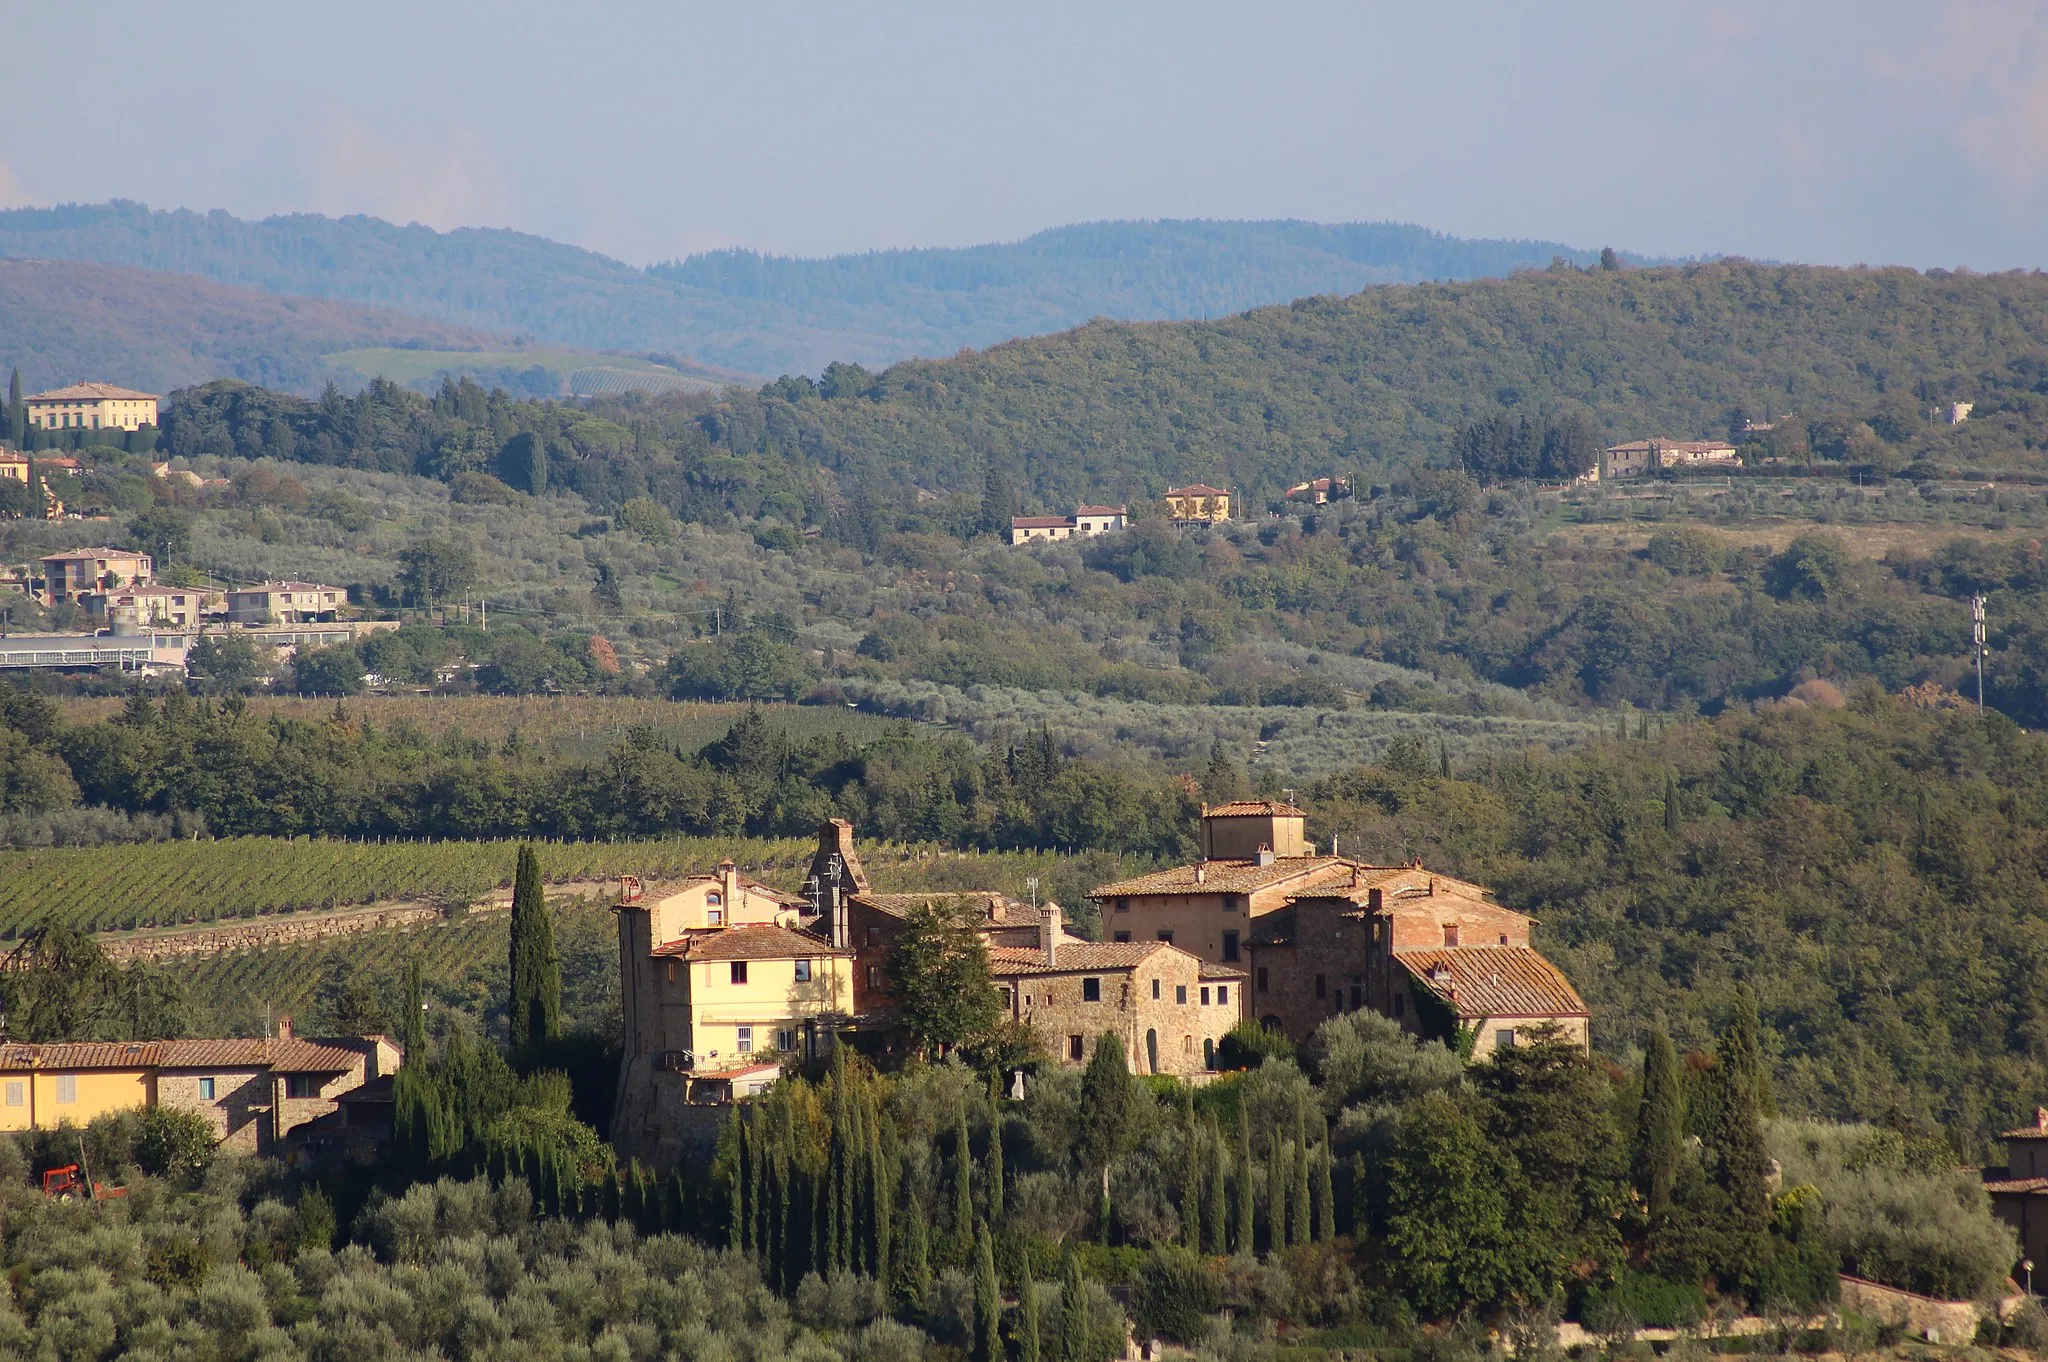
[1073, 1311]
[912, 1278]
[535, 1011]
[1671, 804]
[988, 1301]
[1027, 1315]
[963, 1189]
[1326, 1190]
[1216, 1218]
[1245, 1218]
[1276, 1194]
[1298, 1229]
[1660, 1124]
[993, 1175]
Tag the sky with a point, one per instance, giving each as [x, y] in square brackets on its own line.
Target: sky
[1831, 131]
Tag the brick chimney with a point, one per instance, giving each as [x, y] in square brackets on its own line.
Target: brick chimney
[1201, 873]
[284, 1027]
[1049, 934]
[1263, 856]
[729, 881]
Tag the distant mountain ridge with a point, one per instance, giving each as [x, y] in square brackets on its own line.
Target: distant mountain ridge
[763, 314]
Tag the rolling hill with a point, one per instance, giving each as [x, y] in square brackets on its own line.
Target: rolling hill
[764, 315]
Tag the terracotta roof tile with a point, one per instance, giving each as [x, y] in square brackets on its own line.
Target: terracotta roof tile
[2018, 1186]
[1252, 808]
[1039, 522]
[286, 1056]
[1222, 877]
[1085, 509]
[757, 941]
[1008, 911]
[110, 1054]
[1494, 981]
[90, 392]
[1197, 489]
[1074, 957]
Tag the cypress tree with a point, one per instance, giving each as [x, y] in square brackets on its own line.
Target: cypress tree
[414, 1029]
[988, 1301]
[1326, 1190]
[1297, 1197]
[1671, 803]
[1741, 1054]
[880, 1162]
[17, 415]
[1216, 1219]
[963, 1189]
[740, 1231]
[994, 1172]
[1245, 1218]
[536, 1004]
[912, 1278]
[839, 1202]
[1191, 1190]
[1073, 1312]
[1027, 1316]
[1738, 1166]
[1660, 1124]
[1276, 1195]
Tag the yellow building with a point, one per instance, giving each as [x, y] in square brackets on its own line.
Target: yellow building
[1197, 504]
[13, 465]
[91, 406]
[45, 1086]
[718, 983]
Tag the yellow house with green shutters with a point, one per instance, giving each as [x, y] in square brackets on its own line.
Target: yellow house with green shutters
[721, 978]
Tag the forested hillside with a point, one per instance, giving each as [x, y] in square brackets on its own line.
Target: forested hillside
[1258, 401]
[62, 321]
[766, 315]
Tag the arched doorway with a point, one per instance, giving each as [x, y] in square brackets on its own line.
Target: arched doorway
[1151, 1052]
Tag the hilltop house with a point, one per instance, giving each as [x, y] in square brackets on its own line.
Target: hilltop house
[174, 607]
[255, 1093]
[1197, 504]
[1319, 491]
[2020, 1198]
[1642, 456]
[1085, 521]
[91, 406]
[720, 976]
[286, 603]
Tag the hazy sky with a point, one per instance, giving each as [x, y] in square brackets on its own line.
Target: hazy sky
[1907, 131]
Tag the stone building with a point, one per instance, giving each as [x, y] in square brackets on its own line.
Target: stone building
[2020, 1198]
[1255, 856]
[83, 572]
[1169, 1007]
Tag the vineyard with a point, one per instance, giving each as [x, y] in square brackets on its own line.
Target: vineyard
[163, 884]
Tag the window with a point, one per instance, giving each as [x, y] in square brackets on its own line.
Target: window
[714, 899]
[1187, 1045]
[874, 936]
[1006, 996]
[1322, 987]
[1091, 990]
[206, 1090]
[67, 1087]
[302, 1085]
[1357, 997]
[1155, 989]
[16, 1094]
[716, 917]
[1074, 1048]
[1400, 1004]
[745, 1041]
[1222, 994]
[1450, 933]
[671, 971]
[1180, 993]
[1122, 937]
[1230, 946]
[1123, 905]
[1208, 1052]
[1503, 938]
[1205, 997]
[874, 976]
[739, 971]
[785, 1040]
[803, 971]
[1167, 937]
[1262, 979]
[1504, 1039]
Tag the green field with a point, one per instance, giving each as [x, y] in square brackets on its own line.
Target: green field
[584, 373]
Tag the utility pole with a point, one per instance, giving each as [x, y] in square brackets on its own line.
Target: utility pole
[1977, 635]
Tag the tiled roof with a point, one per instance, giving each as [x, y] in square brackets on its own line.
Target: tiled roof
[1399, 886]
[661, 889]
[70, 554]
[281, 586]
[758, 941]
[286, 1056]
[1252, 808]
[376, 1091]
[1074, 956]
[1038, 522]
[1198, 489]
[1210, 971]
[2036, 1131]
[2018, 1186]
[1494, 981]
[1085, 509]
[90, 392]
[1008, 911]
[110, 1054]
[1220, 877]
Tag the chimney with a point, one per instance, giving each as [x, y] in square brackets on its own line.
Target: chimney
[1354, 877]
[1201, 873]
[838, 934]
[729, 881]
[1374, 898]
[1263, 856]
[284, 1027]
[1432, 886]
[2041, 1118]
[1049, 934]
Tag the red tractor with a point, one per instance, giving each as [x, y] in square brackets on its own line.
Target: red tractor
[66, 1182]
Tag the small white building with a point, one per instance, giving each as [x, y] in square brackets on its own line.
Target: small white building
[1085, 521]
[1099, 519]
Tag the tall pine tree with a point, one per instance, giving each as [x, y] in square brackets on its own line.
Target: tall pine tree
[536, 1004]
[912, 1277]
[1073, 1311]
[988, 1301]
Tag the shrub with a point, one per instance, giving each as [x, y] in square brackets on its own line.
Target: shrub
[1648, 1299]
[173, 1144]
[1175, 1295]
[1250, 1044]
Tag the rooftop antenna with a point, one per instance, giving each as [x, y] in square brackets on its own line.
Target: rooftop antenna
[1977, 634]
[1031, 888]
